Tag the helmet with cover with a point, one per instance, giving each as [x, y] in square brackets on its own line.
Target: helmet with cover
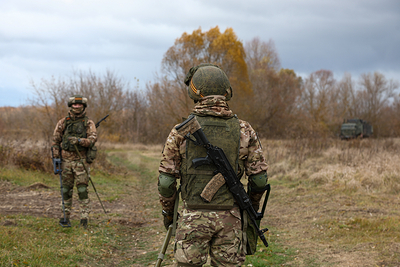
[207, 79]
[77, 99]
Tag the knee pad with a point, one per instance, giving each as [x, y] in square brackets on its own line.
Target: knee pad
[67, 192]
[83, 192]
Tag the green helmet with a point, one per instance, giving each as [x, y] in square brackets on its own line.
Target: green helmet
[207, 79]
[77, 99]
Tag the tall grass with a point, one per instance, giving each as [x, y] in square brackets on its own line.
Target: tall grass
[369, 165]
[35, 155]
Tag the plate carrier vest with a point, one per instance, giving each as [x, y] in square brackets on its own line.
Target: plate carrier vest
[74, 128]
[221, 132]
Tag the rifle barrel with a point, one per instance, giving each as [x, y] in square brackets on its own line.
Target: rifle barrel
[98, 123]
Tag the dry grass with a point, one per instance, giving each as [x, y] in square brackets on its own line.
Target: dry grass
[26, 154]
[333, 202]
[369, 165]
[336, 201]
[31, 154]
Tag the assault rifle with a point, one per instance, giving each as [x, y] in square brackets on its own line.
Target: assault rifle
[103, 119]
[217, 157]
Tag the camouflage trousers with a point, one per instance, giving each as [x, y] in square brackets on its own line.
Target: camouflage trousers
[216, 233]
[74, 174]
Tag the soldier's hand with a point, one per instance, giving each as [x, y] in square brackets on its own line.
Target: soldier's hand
[73, 140]
[168, 218]
[168, 221]
[55, 152]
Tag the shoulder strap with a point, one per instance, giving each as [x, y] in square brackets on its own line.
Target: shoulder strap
[86, 121]
[65, 123]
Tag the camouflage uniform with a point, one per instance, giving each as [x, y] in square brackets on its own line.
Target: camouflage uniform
[217, 232]
[72, 165]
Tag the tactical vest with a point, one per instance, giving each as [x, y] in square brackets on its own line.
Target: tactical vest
[74, 128]
[221, 132]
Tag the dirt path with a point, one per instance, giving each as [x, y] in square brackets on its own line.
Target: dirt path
[41, 200]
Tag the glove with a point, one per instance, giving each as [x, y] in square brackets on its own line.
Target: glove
[55, 152]
[169, 218]
[255, 198]
[73, 140]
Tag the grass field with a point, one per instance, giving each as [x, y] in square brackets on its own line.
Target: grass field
[332, 203]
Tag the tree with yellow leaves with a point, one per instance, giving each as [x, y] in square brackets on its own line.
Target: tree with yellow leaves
[220, 48]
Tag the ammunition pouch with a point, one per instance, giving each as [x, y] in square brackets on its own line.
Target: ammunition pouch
[74, 128]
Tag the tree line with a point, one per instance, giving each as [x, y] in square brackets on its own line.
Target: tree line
[276, 101]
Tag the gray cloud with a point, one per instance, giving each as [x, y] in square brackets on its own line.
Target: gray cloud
[42, 38]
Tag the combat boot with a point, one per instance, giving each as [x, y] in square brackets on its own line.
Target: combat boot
[84, 223]
[64, 222]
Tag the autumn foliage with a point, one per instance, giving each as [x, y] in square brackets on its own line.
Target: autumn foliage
[275, 100]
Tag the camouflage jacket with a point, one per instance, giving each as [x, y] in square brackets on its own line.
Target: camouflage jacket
[250, 151]
[91, 138]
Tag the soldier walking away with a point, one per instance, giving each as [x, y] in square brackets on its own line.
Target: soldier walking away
[73, 136]
[213, 227]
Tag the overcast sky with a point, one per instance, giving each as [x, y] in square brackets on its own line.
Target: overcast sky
[42, 38]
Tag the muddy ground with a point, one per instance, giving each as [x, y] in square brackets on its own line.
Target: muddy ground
[39, 199]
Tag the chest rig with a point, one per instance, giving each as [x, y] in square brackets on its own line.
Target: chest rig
[74, 128]
[221, 132]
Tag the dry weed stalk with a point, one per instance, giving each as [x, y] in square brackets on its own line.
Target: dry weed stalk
[369, 165]
[36, 155]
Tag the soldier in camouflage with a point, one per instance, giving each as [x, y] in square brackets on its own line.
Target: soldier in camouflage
[75, 131]
[210, 229]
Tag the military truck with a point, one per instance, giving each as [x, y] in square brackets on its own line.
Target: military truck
[355, 128]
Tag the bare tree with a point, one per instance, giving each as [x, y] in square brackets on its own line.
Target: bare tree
[347, 102]
[375, 94]
[107, 94]
[320, 99]
[275, 92]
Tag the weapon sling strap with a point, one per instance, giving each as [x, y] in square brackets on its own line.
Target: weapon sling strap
[244, 229]
[176, 211]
